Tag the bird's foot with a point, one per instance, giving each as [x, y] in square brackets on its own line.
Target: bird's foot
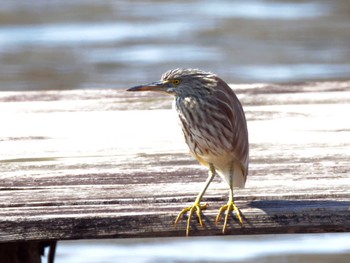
[195, 207]
[229, 207]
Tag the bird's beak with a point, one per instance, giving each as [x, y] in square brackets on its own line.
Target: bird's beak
[153, 86]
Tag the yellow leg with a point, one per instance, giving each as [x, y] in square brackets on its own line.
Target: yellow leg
[196, 205]
[229, 207]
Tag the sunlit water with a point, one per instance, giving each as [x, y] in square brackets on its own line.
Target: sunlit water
[117, 44]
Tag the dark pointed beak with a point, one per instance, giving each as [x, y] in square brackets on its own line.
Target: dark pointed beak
[153, 86]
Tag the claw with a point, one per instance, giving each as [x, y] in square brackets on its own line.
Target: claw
[195, 207]
[229, 207]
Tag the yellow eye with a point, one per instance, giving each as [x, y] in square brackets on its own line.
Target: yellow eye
[176, 82]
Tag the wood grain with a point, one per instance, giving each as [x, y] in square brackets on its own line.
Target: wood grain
[107, 163]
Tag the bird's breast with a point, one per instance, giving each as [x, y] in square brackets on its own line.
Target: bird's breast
[205, 130]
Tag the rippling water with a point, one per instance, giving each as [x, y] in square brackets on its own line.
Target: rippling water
[116, 44]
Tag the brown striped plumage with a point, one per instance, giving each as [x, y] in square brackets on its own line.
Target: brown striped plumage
[214, 126]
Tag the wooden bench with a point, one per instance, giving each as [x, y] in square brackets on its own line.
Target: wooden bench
[97, 164]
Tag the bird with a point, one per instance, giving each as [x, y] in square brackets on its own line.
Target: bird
[214, 126]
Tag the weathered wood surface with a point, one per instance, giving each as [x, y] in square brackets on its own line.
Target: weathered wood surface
[107, 163]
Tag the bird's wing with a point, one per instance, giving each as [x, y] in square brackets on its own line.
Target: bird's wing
[231, 107]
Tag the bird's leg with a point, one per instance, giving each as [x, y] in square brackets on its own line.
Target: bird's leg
[196, 205]
[229, 207]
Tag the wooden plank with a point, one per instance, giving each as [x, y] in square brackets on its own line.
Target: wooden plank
[107, 163]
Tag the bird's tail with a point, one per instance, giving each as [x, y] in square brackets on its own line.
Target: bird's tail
[239, 177]
[236, 172]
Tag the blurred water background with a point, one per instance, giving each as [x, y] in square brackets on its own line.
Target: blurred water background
[70, 44]
[74, 44]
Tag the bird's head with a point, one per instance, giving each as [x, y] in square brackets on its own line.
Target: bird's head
[182, 83]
